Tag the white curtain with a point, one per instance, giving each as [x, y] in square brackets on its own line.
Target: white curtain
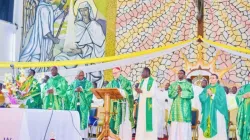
[71, 73]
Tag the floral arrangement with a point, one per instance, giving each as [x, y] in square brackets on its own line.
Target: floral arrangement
[12, 88]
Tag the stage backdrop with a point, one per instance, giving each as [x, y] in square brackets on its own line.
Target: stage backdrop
[140, 25]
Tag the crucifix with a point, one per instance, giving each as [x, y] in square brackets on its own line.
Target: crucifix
[200, 7]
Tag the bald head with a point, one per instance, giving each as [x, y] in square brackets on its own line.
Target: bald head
[80, 75]
[116, 72]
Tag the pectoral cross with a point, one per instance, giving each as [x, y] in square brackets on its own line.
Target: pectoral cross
[200, 7]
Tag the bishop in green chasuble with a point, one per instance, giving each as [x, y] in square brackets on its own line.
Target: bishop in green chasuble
[122, 121]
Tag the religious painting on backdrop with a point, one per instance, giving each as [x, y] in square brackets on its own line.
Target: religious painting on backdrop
[57, 30]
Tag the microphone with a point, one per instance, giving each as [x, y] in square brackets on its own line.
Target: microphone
[137, 85]
[13, 72]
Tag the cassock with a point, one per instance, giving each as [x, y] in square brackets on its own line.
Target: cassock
[39, 45]
[147, 113]
[57, 100]
[196, 104]
[180, 114]
[81, 102]
[231, 102]
[122, 122]
[196, 101]
[243, 117]
[168, 105]
[215, 119]
[160, 102]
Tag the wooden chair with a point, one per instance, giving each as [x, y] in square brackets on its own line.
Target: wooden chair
[195, 123]
[232, 123]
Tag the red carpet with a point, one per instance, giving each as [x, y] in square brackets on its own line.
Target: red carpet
[158, 139]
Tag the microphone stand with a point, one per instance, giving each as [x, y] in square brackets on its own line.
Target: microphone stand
[13, 73]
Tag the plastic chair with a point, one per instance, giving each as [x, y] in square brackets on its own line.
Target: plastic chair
[195, 123]
[92, 120]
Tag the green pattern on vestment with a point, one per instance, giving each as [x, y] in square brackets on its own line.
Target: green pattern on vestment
[34, 91]
[181, 108]
[58, 100]
[84, 98]
[210, 107]
[243, 116]
[117, 108]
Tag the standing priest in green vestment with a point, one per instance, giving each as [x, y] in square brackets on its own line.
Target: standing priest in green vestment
[214, 123]
[32, 91]
[181, 92]
[147, 127]
[54, 93]
[122, 122]
[243, 117]
[80, 98]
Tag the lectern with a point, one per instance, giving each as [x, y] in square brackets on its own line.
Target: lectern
[107, 94]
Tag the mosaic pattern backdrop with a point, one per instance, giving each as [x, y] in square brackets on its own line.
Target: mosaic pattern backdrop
[228, 22]
[149, 24]
[145, 24]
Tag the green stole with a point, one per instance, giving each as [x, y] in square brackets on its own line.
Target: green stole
[116, 118]
[149, 109]
[207, 132]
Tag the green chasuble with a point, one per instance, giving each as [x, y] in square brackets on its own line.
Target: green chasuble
[32, 87]
[243, 116]
[58, 100]
[210, 107]
[181, 108]
[81, 101]
[119, 108]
